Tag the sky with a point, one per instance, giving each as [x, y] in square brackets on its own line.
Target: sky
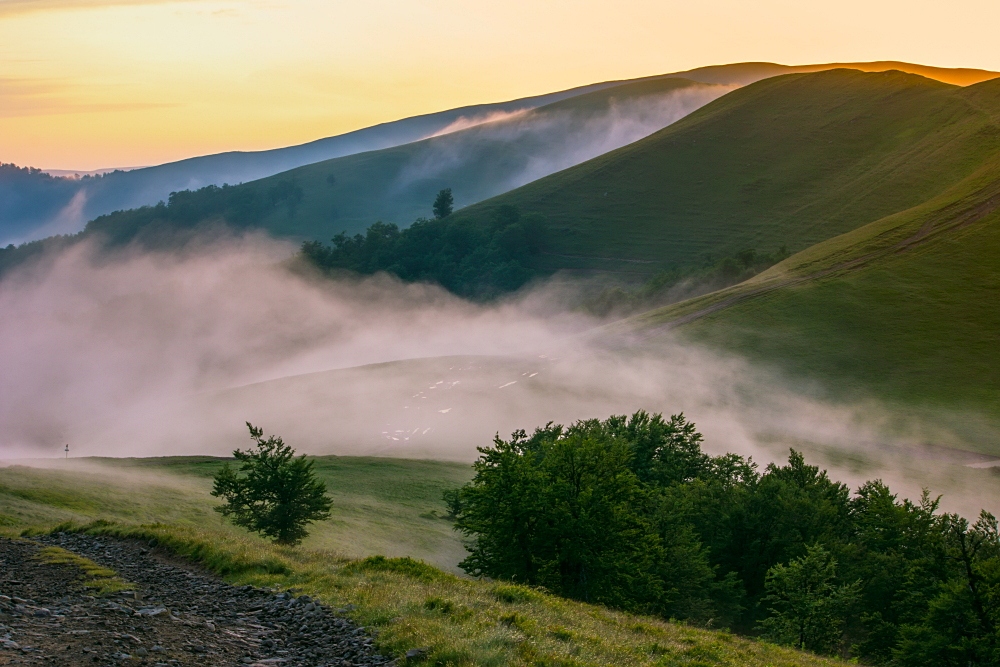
[89, 84]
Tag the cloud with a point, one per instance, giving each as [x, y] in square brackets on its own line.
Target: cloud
[465, 122]
[12, 7]
[545, 141]
[70, 219]
[45, 97]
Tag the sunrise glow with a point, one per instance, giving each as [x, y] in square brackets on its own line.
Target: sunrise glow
[105, 83]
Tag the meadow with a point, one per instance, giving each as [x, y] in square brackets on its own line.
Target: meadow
[896, 309]
[383, 508]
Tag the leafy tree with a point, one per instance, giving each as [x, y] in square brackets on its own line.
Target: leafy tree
[960, 626]
[444, 203]
[808, 610]
[274, 493]
[630, 512]
[897, 551]
[478, 259]
[772, 520]
[564, 509]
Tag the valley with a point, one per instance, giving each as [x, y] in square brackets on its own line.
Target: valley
[686, 369]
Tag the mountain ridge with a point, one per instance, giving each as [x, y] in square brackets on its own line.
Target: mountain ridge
[34, 210]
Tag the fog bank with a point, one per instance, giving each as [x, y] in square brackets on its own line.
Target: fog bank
[155, 354]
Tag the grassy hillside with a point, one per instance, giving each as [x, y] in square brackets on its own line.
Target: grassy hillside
[381, 506]
[900, 308]
[406, 603]
[792, 160]
[36, 207]
[398, 184]
[30, 208]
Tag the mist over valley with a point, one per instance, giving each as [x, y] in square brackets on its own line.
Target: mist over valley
[695, 368]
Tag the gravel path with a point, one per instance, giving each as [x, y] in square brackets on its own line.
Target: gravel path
[177, 615]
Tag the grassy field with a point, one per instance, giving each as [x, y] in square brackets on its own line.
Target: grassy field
[381, 506]
[405, 602]
[791, 160]
[901, 308]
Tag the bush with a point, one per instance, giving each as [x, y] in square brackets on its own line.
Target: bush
[276, 494]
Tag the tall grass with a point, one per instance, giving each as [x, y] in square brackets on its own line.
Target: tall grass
[408, 604]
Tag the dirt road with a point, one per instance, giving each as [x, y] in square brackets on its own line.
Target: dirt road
[176, 616]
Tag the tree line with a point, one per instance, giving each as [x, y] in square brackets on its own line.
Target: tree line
[630, 512]
[478, 259]
[496, 255]
[190, 210]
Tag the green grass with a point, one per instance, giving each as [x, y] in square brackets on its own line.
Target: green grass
[795, 159]
[381, 506]
[901, 309]
[100, 580]
[409, 604]
[398, 184]
[406, 602]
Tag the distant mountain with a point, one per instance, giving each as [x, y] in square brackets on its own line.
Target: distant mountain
[35, 206]
[399, 184]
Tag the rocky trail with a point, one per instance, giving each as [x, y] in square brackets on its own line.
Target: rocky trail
[173, 616]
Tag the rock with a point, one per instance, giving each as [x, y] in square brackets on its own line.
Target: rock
[417, 653]
[153, 611]
[181, 610]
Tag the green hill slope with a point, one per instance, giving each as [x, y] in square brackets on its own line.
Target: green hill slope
[479, 162]
[394, 505]
[398, 184]
[902, 308]
[792, 160]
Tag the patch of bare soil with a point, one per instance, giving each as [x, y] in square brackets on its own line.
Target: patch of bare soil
[177, 616]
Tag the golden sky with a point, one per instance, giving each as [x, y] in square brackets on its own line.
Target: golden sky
[86, 84]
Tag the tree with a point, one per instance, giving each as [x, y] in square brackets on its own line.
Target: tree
[960, 627]
[564, 510]
[444, 203]
[808, 610]
[273, 493]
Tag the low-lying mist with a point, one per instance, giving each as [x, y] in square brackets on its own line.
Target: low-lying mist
[142, 354]
[519, 147]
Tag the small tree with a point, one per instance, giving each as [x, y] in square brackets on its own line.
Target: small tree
[808, 610]
[273, 493]
[444, 203]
